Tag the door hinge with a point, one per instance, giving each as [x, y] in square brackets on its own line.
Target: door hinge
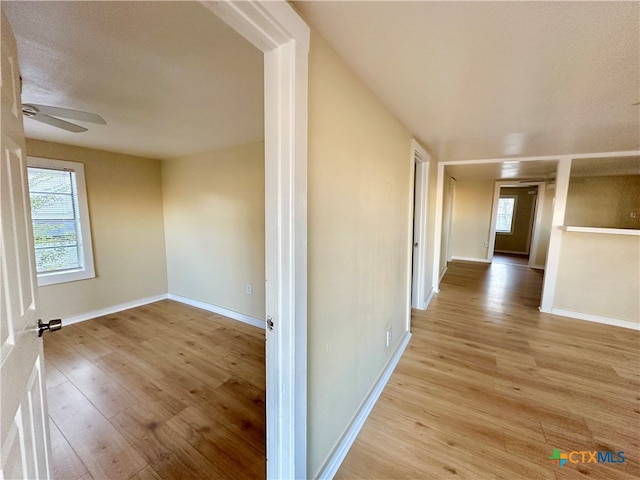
[269, 323]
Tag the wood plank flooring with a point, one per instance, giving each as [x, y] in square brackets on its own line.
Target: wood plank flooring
[489, 387]
[164, 391]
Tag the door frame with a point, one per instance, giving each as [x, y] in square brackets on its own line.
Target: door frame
[421, 162]
[534, 226]
[279, 32]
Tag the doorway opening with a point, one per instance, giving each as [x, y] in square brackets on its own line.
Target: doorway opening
[283, 38]
[520, 222]
[514, 224]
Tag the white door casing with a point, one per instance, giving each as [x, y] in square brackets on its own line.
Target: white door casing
[277, 30]
[419, 282]
[540, 187]
[23, 408]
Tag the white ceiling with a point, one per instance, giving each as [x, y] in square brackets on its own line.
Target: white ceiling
[544, 169]
[469, 79]
[170, 78]
[528, 170]
[492, 79]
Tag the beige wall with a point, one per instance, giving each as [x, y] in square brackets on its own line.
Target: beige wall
[125, 206]
[359, 199]
[472, 218]
[518, 241]
[598, 274]
[214, 227]
[604, 202]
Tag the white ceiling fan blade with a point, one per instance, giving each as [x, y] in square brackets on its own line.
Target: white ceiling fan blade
[56, 122]
[67, 113]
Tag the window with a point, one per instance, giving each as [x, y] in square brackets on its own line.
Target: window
[60, 218]
[506, 214]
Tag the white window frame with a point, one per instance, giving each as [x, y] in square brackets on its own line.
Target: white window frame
[87, 270]
[513, 217]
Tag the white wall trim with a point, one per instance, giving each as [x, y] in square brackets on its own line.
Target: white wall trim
[442, 274]
[429, 298]
[596, 319]
[471, 259]
[537, 267]
[494, 219]
[555, 236]
[113, 309]
[256, 322]
[279, 32]
[340, 452]
[510, 252]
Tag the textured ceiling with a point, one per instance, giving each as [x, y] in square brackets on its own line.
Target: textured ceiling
[170, 78]
[469, 79]
[530, 170]
[492, 79]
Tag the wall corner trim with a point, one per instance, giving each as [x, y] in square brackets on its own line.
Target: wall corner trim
[340, 452]
[429, 298]
[596, 319]
[256, 322]
[113, 309]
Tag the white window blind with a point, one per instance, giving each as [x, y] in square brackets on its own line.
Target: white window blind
[59, 213]
[56, 224]
[506, 214]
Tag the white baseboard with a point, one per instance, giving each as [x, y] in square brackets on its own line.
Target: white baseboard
[537, 267]
[512, 253]
[471, 259]
[596, 319]
[145, 301]
[113, 309]
[335, 460]
[256, 322]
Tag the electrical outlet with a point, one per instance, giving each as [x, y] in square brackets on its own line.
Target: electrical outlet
[486, 244]
[389, 336]
[248, 289]
[633, 214]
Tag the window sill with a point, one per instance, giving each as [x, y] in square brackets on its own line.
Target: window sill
[55, 278]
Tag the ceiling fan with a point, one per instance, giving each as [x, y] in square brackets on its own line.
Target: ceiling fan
[47, 114]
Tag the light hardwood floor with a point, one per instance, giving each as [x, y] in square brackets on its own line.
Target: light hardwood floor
[489, 387]
[161, 391]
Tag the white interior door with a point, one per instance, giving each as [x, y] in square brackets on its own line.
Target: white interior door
[23, 408]
[419, 288]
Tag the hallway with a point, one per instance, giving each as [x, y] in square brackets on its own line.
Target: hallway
[488, 388]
